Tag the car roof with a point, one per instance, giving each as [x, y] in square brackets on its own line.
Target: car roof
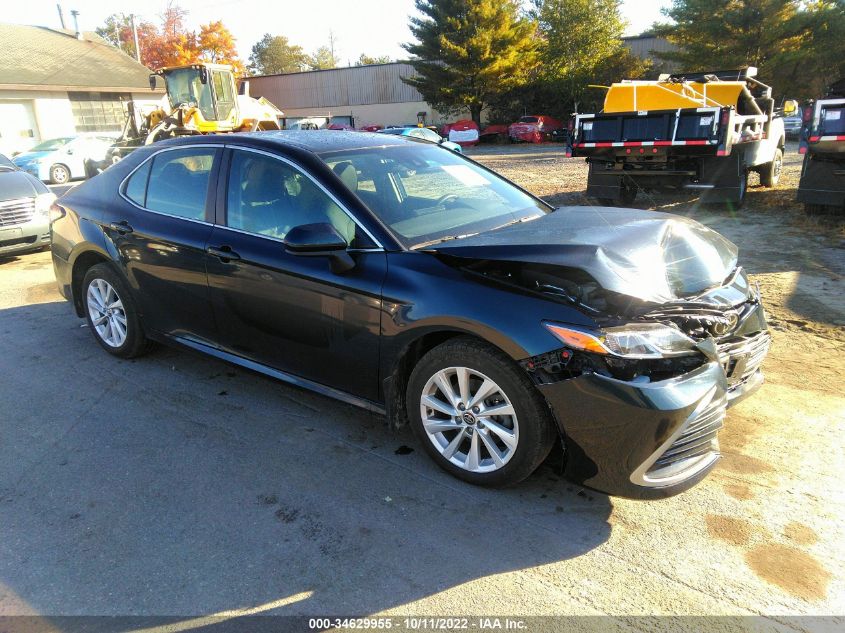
[316, 141]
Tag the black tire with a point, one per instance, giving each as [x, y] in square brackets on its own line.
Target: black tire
[743, 189]
[536, 431]
[770, 172]
[59, 174]
[629, 193]
[135, 342]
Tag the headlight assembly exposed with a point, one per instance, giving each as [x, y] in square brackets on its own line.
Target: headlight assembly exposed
[645, 340]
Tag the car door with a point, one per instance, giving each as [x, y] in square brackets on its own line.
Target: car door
[160, 229]
[291, 312]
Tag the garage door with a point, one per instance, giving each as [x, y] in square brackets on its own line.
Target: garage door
[18, 131]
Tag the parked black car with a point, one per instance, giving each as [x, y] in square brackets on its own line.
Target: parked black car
[398, 276]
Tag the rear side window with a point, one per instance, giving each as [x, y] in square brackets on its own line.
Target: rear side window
[178, 182]
[833, 120]
[136, 186]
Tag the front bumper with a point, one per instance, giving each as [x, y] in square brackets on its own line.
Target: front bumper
[28, 236]
[653, 439]
[620, 435]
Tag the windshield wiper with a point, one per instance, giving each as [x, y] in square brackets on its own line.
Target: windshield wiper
[441, 239]
[512, 222]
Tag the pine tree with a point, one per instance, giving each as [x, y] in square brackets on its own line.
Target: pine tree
[797, 45]
[468, 51]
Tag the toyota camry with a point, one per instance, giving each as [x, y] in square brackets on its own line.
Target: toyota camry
[398, 276]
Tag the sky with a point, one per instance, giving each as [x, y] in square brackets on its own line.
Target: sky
[374, 27]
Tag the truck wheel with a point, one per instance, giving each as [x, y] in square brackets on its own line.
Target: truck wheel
[770, 172]
[743, 188]
[628, 193]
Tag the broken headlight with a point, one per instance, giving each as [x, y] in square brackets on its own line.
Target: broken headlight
[645, 340]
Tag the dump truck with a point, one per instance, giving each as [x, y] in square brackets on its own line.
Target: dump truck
[686, 131]
[822, 184]
[201, 99]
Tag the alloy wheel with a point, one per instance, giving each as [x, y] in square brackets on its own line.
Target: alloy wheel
[469, 419]
[107, 313]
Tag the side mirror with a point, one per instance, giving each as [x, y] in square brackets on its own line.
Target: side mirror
[320, 240]
[153, 79]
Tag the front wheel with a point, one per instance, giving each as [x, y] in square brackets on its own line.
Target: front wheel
[477, 415]
[111, 312]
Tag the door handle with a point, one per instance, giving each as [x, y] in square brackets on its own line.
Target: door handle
[224, 253]
[121, 227]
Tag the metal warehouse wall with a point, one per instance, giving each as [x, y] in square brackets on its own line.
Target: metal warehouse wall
[357, 85]
[644, 46]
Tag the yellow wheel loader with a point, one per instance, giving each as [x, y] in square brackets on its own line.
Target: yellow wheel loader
[201, 99]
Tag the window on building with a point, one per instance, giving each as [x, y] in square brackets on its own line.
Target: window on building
[97, 111]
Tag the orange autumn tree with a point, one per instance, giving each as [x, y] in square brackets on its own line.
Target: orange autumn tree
[172, 43]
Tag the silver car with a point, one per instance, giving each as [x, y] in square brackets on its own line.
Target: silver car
[24, 210]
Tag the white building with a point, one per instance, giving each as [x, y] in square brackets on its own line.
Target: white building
[58, 83]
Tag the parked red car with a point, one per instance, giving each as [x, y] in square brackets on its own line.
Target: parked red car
[533, 128]
[463, 132]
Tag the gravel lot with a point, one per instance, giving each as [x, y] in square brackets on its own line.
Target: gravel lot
[178, 485]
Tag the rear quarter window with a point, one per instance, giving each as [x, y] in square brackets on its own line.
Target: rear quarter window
[136, 186]
[178, 182]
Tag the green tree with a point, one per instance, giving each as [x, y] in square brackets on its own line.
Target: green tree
[366, 60]
[322, 59]
[582, 45]
[794, 43]
[469, 51]
[274, 54]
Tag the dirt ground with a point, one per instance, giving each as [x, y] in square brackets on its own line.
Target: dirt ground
[176, 484]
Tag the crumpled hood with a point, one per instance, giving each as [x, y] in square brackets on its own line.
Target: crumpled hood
[649, 255]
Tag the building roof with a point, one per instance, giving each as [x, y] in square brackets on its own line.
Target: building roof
[40, 58]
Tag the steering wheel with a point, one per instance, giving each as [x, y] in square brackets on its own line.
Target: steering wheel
[442, 200]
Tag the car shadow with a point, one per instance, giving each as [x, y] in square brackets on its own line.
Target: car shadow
[177, 484]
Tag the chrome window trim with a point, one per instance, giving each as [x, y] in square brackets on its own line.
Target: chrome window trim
[350, 215]
[122, 187]
[282, 241]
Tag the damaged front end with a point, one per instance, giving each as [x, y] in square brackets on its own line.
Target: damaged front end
[641, 396]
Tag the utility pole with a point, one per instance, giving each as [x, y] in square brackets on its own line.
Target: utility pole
[61, 15]
[135, 36]
[75, 14]
[331, 46]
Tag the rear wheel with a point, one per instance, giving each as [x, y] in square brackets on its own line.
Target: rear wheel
[59, 174]
[477, 415]
[111, 312]
[770, 172]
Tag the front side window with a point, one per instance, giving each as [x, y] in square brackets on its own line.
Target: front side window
[425, 193]
[269, 197]
[223, 93]
[178, 182]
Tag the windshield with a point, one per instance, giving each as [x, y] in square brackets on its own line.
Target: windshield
[184, 86]
[529, 119]
[52, 144]
[426, 194]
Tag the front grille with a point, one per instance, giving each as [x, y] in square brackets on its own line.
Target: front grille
[18, 240]
[742, 356]
[18, 211]
[698, 438]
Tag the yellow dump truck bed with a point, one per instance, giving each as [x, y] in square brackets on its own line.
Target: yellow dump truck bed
[636, 96]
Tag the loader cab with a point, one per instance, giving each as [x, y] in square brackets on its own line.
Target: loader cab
[208, 87]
